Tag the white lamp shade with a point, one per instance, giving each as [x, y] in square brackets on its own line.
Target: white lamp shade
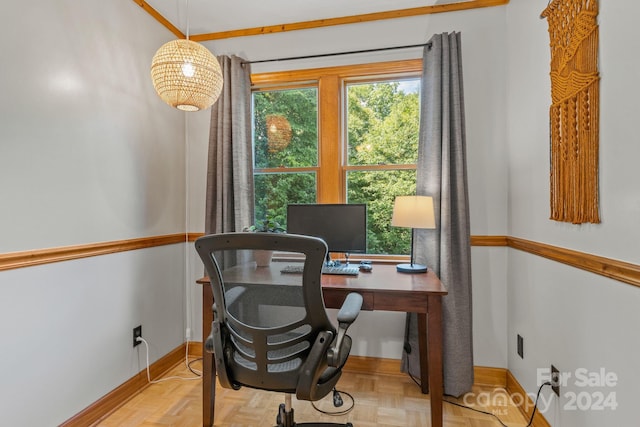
[186, 75]
[413, 212]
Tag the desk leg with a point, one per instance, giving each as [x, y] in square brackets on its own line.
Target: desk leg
[208, 367]
[434, 350]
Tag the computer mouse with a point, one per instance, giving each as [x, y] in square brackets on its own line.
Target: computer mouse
[365, 267]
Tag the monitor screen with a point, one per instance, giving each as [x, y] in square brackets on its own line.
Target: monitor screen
[342, 226]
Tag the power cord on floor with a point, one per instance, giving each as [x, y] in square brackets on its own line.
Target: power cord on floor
[161, 379]
[407, 349]
[535, 407]
[194, 371]
[188, 363]
[337, 402]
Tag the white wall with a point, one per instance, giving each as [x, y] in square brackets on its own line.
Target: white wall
[91, 155]
[66, 329]
[483, 48]
[88, 153]
[568, 317]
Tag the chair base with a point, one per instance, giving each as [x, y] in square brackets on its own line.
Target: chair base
[285, 419]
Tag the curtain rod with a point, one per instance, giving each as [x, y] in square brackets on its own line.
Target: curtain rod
[292, 58]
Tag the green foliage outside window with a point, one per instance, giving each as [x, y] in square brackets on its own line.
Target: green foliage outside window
[300, 109]
[274, 191]
[382, 124]
[378, 190]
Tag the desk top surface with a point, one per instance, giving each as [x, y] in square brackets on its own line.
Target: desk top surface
[383, 278]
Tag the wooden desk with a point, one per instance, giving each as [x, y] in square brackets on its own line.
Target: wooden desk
[383, 289]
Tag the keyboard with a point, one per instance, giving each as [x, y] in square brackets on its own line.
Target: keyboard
[343, 270]
[292, 269]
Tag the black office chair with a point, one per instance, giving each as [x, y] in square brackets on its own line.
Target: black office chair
[270, 329]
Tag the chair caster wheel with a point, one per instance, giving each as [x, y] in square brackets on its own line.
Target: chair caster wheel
[280, 417]
[285, 419]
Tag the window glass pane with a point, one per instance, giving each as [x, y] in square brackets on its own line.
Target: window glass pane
[274, 191]
[383, 122]
[285, 128]
[378, 190]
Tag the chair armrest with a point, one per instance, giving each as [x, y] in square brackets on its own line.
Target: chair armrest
[209, 344]
[346, 316]
[350, 309]
[309, 386]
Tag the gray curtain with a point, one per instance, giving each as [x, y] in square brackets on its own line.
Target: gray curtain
[229, 204]
[442, 174]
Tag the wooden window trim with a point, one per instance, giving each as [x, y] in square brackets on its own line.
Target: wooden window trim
[283, 78]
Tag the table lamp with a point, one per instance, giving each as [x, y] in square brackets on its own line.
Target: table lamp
[414, 212]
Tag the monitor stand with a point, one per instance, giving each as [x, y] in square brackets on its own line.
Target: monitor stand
[330, 263]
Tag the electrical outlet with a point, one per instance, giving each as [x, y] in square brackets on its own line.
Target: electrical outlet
[555, 380]
[520, 346]
[137, 332]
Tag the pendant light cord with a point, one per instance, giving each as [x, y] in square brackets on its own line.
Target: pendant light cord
[187, 3]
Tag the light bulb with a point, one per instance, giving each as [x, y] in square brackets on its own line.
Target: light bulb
[188, 69]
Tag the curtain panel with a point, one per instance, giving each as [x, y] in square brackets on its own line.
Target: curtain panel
[229, 193]
[442, 174]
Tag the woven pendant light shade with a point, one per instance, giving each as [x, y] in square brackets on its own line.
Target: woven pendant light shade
[278, 132]
[186, 75]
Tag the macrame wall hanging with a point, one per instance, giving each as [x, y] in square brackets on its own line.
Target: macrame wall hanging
[574, 111]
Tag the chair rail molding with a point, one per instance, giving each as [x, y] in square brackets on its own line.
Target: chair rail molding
[22, 259]
[618, 270]
[614, 269]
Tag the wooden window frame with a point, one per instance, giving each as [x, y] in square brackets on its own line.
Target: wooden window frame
[332, 169]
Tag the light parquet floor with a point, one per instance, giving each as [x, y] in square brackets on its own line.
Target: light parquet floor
[380, 401]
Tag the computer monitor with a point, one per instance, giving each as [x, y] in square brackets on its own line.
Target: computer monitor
[342, 226]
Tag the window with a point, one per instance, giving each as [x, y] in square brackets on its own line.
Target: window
[285, 149]
[338, 135]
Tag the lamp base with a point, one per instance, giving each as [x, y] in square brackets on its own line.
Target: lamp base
[411, 268]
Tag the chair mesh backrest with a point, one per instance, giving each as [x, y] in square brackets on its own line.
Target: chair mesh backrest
[269, 319]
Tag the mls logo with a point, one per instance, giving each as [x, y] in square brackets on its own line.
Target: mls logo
[556, 378]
